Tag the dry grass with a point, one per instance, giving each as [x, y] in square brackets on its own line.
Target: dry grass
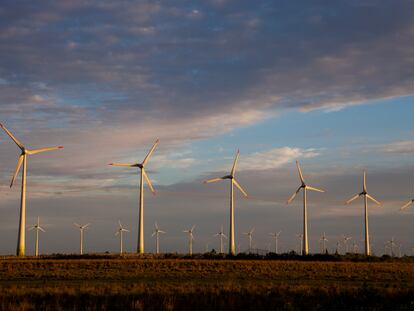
[186, 284]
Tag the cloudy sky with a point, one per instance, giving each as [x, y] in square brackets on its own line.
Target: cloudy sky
[330, 83]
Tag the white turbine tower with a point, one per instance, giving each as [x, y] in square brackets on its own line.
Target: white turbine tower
[250, 237]
[120, 232]
[190, 239]
[81, 228]
[156, 233]
[300, 237]
[305, 188]
[275, 236]
[323, 241]
[366, 196]
[233, 182]
[221, 235]
[21, 241]
[140, 246]
[37, 228]
[346, 239]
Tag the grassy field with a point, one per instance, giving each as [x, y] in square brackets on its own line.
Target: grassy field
[133, 283]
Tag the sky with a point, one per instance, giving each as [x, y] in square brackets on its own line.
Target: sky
[328, 83]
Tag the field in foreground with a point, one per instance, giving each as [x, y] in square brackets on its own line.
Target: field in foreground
[201, 284]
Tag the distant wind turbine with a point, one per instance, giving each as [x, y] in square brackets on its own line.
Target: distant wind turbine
[21, 242]
[190, 239]
[300, 237]
[81, 228]
[323, 241]
[37, 228]
[120, 232]
[391, 243]
[140, 247]
[233, 182]
[275, 236]
[305, 188]
[346, 239]
[156, 233]
[366, 196]
[250, 237]
[221, 235]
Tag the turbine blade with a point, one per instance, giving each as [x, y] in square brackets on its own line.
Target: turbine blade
[160, 231]
[154, 233]
[294, 195]
[41, 229]
[372, 199]
[314, 189]
[121, 164]
[77, 225]
[352, 199]
[150, 152]
[213, 180]
[240, 187]
[86, 226]
[120, 225]
[192, 228]
[407, 205]
[156, 225]
[224, 236]
[31, 228]
[148, 181]
[233, 170]
[19, 164]
[116, 233]
[16, 141]
[43, 150]
[300, 172]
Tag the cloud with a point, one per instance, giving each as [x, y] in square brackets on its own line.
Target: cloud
[399, 147]
[275, 158]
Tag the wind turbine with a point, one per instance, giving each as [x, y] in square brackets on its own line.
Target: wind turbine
[140, 247]
[233, 182]
[37, 228]
[276, 237]
[411, 202]
[157, 232]
[305, 188]
[300, 237]
[221, 235]
[190, 239]
[323, 241]
[391, 243]
[346, 239]
[250, 237]
[355, 247]
[81, 228]
[120, 232]
[366, 196]
[21, 242]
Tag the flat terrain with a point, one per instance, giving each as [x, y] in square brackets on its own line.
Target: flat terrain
[202, 284]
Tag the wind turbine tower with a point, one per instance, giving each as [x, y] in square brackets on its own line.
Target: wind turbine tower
[190, 239]
[323, 241]
[21, 241]
[366, 196]
[276, 237]
[250, 236]
[141, 166]
[120, 232]
[156, 233]
[37, 228]
[233, 182]
[221, 235]
[81, 228]
[305, 188]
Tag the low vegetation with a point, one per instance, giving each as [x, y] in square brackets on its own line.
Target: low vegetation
[170, 282]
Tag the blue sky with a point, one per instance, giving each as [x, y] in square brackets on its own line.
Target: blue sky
[331, 85]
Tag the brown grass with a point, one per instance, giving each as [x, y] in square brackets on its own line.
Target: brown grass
[186, 284]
